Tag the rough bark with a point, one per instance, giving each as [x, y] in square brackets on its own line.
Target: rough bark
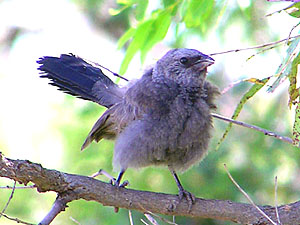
[71, 187]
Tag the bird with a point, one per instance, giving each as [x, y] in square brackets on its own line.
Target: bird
[161, 119]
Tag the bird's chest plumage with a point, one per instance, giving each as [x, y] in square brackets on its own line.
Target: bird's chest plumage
[186, 131]
[189, 116]
[175, 118]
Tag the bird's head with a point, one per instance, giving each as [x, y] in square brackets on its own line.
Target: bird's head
[186, 67]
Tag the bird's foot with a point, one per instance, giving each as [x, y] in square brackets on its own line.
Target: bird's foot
[115, 182]
[188, 196]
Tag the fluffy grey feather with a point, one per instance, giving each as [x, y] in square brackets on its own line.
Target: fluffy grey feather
[162, 119]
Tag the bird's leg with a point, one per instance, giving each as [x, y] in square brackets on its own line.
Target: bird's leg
[183, 193]
[118, 181]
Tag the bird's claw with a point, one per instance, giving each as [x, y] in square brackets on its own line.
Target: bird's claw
[188, 196]
[114, 182]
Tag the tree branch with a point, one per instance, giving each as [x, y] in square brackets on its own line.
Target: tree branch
[59, 205]
[259, 129]
[72, 187]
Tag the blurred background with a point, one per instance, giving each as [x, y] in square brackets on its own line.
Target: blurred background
[45, 126]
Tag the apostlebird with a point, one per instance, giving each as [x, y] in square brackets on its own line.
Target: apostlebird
[162, 119]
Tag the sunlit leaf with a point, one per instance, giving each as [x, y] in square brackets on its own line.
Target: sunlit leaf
[140, 10]
[197, 11]
[115, 12]
[129, 34]
[255, 81]
[139, 39]
[220, 9]
[126, 2]
[296, 127]
[158, 31]
[167, 3]
[249, 94]
[146, 35]
[294, 10]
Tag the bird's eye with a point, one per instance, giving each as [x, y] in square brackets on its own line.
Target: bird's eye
[184, 60]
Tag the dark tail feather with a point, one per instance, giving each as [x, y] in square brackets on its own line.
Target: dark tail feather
[76, 77]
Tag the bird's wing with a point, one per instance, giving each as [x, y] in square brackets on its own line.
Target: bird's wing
[113, 121]
[102, 128]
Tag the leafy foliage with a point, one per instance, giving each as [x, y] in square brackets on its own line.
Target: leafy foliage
[153, 28]
[197, 13]
[147, 33]
[145, 36]
[289, 69]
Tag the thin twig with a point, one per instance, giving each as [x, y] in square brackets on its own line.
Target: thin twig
[231, 85]
[293, 28]
[151, 219]
[75, 221]
[19, 187]
[247, 196]
[266, 132]
[144, 222]
[255, 47]
[113, 73]
[276, 205]
[16, 219]
[280, 10]
[163, 219]
[9, 199]
[130, 217]
[260, 52]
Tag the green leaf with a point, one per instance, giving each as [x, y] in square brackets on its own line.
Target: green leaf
[146, 35]
[296, 127]
[197, 12]
[293, 90]
[294, 10]
[124, 4]
[115, 12]
[167, 3]
[249, 94]
[158, 31]
[125, 37]
[285, 67]
[140, 10]
[139, 39]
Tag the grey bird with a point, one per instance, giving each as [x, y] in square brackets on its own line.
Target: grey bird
[162, 119]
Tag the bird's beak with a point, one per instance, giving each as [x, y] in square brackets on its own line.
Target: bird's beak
[205, 62]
